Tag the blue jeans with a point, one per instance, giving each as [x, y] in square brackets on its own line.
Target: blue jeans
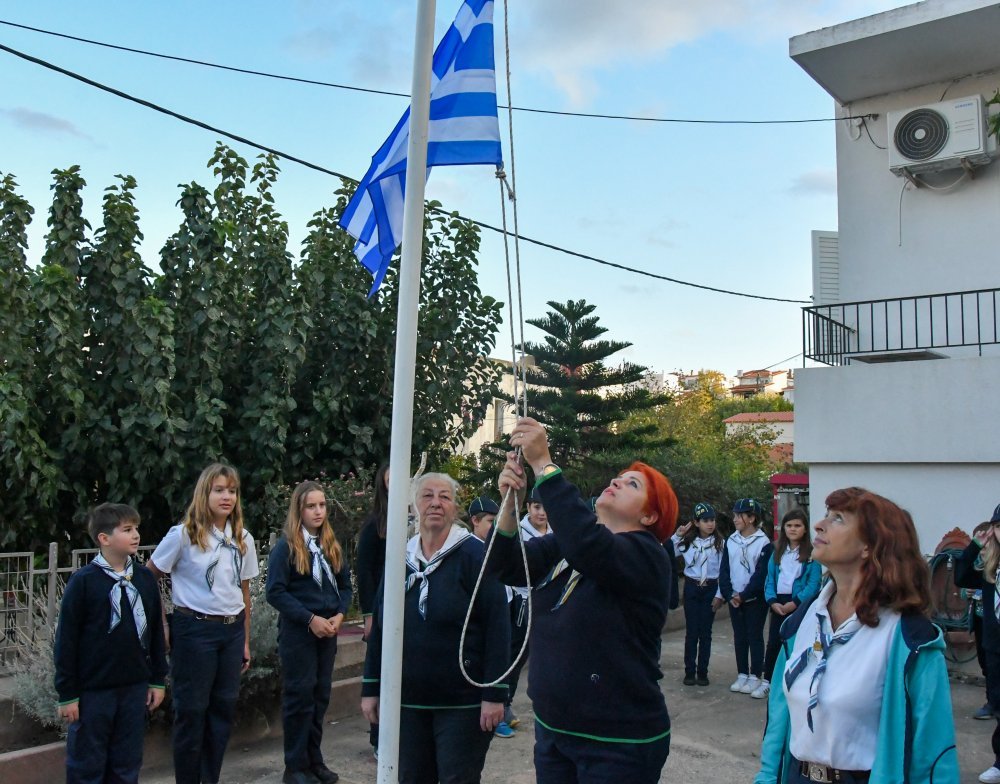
[698, 619]
[748, 635]
[105, 745]
[568, 759]
[205, 662]
[306, 672]
[442, 745]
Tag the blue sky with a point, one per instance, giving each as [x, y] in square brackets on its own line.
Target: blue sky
[726, 206]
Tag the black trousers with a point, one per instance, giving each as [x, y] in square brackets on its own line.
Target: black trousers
[568, 759]
[698, 619]
[993, 696]
[105, 745]
[205, 662]
[774, 636]
[748, 636]
[306, 673]
[442, 745]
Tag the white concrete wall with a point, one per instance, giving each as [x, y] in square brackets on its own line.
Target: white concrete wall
[938, 496]
[932, 411]
[924, 434]
[930, 242]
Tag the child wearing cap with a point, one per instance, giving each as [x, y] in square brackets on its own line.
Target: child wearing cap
[700, 544]
[741, 584]
[482, 513]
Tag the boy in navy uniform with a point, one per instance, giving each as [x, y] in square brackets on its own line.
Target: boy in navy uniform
[110, 654]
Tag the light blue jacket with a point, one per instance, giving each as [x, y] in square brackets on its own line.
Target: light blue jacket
[804, 589]
[916, 733]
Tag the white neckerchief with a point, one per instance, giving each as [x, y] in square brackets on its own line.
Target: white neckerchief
[124, 580]
[415, 559]
[702, 549]
[224, 541]
[319, 562]
[744, 545]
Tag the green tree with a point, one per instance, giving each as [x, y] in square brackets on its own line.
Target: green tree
[577, 395]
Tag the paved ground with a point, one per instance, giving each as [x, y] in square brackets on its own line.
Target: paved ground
[716, 734]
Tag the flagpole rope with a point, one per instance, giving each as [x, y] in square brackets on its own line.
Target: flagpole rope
[510, 191]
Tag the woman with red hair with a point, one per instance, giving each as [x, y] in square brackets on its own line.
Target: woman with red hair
[601, 588]
[861, 688]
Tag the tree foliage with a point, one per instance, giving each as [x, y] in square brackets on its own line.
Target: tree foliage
[121, 383]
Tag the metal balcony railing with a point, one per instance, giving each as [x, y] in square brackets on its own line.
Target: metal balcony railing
[901, 327]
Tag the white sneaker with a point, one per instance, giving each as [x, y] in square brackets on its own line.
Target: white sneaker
[751, 685]
[761, 691]
[990, 776]
[739, 683]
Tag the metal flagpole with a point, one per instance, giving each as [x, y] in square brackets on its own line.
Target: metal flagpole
[402, 397]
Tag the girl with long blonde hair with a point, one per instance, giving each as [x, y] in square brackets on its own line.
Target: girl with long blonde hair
[309, 584]
[211, 558]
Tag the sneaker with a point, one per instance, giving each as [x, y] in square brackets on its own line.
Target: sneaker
[761, 691]
[503, 730]
[702, 680]
[990, 775]
[689, 680]
[509, 717]
[305, 777]
[985, 712]
[324, 774]
[739, 683]
[751, 685]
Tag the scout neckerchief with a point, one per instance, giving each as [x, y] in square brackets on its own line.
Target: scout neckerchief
[319, 562]
[996, 594]
[574, 578]
[415, 558]
[822, 647]
[124, 580]
[702, 548]
[224, 542]
[744, 545]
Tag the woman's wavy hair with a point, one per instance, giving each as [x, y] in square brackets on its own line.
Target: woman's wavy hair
[894, 575]
[298, 552]
[380, 502]
[805, 546]
[989, 556]
[198, 519]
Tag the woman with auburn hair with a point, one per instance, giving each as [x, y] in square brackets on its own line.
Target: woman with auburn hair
[861, 692]
[601, 588]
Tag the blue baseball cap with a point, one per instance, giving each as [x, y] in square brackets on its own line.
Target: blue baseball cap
[996, 515]
[482, 505]
[703, 511]
[747, 506]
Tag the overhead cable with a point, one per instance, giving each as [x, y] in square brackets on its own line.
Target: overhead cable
[346, 178]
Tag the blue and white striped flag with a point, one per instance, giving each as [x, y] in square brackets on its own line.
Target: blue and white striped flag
[463, 130]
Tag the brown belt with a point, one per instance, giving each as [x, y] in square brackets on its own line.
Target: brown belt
[205, 617]
[827, 775]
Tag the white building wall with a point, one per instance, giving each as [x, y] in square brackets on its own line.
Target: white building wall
[895, 243]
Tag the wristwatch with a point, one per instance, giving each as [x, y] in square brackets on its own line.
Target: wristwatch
[547, 470]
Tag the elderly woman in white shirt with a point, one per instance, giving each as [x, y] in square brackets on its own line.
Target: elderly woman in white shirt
[861, 689]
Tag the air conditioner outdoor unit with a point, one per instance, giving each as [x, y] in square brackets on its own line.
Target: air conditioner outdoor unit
[939, 136]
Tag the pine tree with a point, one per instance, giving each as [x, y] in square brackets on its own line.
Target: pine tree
[577, 395]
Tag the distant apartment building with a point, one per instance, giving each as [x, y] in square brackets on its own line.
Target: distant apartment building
[757, 382]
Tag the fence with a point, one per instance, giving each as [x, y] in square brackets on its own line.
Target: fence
[31, 595]
[961, 322]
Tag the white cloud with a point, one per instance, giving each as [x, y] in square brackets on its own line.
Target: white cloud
[570, 41]
[817, 181]
[30, 120]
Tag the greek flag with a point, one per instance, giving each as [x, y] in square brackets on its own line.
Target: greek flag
[463, 130]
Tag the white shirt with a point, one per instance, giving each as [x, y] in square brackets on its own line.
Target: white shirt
[527, 531]
[701, 560]
[789, 570]
[187, 563]
[748, 549]
[845, 722]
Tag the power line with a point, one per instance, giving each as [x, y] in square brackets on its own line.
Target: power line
[373, 91]
[345, 178]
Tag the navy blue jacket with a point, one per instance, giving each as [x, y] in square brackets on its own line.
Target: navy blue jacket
[594, 666]
[755, 588]
[431, 675]
[968, 576]
[296, 596]
[87, 656]
[369, 565]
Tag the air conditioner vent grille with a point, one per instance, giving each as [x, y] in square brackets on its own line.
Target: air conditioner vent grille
[921, 134]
